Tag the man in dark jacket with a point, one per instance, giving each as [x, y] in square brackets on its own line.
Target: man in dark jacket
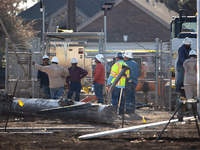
[44, 79]
[183, 54]
[73, 80]
[132, 82]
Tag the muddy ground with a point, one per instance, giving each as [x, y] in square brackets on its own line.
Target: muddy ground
[177, 136]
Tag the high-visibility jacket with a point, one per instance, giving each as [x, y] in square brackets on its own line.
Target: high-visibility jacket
[115, 70]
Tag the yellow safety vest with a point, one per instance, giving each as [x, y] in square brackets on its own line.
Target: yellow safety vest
[116, 69]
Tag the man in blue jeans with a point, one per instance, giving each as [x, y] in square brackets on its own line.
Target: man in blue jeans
[56, 74]
[73, 80]
[183, 54]
[117, 93]
[44, 79]
[99, 77]
[131, 83]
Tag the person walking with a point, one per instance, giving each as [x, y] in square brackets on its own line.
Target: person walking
[183, 54]
[56, 74]
[117, 93]
[190, 77]
[131, 83]
[73, 80]
[99, 77]
[44, 79]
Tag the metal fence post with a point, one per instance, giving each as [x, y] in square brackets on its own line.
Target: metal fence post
[157, 72]
[6, 71]
[161, 75]
[170, 76]
[33, 73]
[38, 45]
[198, 53]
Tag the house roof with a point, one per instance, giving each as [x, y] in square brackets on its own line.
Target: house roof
[87, 7]
[156, 10]
[91, 7]
[51, 6]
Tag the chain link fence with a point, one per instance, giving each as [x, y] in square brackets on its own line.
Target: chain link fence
[154, 89]
[154, 86]
[18, 66]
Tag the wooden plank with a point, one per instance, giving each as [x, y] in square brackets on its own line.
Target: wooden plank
[129, 129]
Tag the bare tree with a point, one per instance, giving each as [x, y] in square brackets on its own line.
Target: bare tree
[18, 31]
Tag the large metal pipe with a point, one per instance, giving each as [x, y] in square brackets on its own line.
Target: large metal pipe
[95, 113]
[129, 129]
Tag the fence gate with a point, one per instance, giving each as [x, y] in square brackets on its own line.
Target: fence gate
[154, 80]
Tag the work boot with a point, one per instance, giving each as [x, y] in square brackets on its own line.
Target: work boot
[180, 117]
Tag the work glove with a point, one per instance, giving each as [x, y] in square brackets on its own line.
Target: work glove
[65, 102]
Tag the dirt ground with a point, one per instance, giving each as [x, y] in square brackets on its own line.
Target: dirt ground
[177, 136]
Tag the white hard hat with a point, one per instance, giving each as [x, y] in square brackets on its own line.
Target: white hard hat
[187, 41]
[55, 59]
[99, 57]
[192, 52]
[45, 57]
[128, 54]
[74, 61]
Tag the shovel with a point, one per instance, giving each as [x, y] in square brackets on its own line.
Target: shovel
[119, 101]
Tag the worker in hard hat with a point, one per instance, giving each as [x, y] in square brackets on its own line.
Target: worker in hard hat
[190, 77]
[73, 80]
[55, 73]
[44, 79]
[117, 94]
[131, 83]
[99, 77]
[183, 54]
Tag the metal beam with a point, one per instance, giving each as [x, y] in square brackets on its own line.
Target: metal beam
[75, 35]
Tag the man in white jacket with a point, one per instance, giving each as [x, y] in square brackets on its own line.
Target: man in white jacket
[56, 74]
[190, 77]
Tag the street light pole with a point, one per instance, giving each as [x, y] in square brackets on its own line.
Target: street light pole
[105, 7]
[105, 37]
[43, 29]
[42, 9]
